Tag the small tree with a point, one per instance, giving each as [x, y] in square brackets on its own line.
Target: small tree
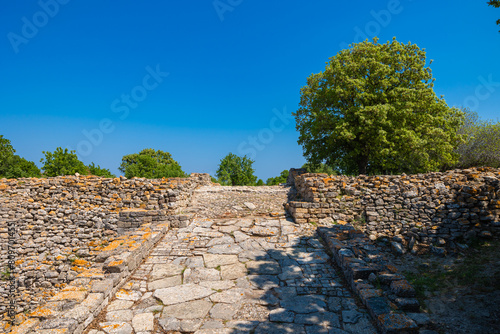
[374, 110]
[98, 171]
[150, 164]
[260, 182]
[6, 149]
[62, 162]
[236, 171]
[272, 181]
[481, 146]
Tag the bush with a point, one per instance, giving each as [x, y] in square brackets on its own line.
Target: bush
[150, 164]
[481, 146]
[62, 162]
[236, 171]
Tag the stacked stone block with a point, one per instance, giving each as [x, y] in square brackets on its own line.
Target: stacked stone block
[63, 223]
[425, 209]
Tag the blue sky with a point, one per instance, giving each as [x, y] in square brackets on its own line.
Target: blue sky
[200, 79]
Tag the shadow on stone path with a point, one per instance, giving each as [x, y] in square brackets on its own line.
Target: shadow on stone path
[244, 275]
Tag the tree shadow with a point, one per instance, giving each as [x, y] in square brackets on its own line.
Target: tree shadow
[294, 281]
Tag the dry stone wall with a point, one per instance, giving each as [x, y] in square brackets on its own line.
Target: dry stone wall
[63, 224]
[417, 211]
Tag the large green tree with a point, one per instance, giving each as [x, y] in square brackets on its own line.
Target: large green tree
[373, 110]
[12, 165]
[236, 171]
[62, 162]
[481, 146]
[150, 164]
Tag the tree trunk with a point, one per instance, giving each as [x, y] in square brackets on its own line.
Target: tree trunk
[362, 164]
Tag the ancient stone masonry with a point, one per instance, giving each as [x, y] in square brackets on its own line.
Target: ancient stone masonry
[419, 212]
[63, 224]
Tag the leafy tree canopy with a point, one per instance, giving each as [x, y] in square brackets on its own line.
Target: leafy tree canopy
[150, 164]
[278, 179]
[62, 162]
[496, 4]
[236, 171]
[13, 166]
[260, 182]
[373, 110]
[481, 146]
[98, 171]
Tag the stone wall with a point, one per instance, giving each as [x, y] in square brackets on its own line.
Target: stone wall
[63, 223]
[438, 209]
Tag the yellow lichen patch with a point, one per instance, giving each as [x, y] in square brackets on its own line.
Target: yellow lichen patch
[113, 245]
[115, 263]
[3, 186]
[82, 262]
[92, 273]
[42, 312]
[77, 269]
[78, 296]
[341, 222]
[25, 326]
[73, 288]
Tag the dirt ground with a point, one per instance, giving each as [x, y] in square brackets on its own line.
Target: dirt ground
[460, 292]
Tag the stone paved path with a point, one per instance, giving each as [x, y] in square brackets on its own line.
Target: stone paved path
[240, 275]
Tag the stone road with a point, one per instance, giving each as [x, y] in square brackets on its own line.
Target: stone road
[241, 275]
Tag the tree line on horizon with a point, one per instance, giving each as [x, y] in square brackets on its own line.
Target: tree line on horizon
[372, 110]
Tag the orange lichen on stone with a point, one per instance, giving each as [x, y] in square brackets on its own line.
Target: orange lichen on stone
[42, 312]
[392, 268]
[25, 327]
[92, 273]
[78, 296]
[115, 263]
[113, 245]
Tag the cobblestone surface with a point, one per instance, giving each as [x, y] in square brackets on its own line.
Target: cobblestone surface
[235, 275]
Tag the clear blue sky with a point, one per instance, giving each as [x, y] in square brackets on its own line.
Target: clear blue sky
[223, 72]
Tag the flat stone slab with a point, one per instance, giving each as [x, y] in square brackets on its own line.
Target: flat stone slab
[218, 285]
[263, 267]
[165, 283]
[304, 304]
[328, 319]
[197, 275]
[120, 305]
[116, 327]
[224, 311]
[277, 328]
[233, 271]
[229, 296]
[189, 310]
[165, 270]
[182, 293]
[225, 249]
[143, 322]
[215, 260]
